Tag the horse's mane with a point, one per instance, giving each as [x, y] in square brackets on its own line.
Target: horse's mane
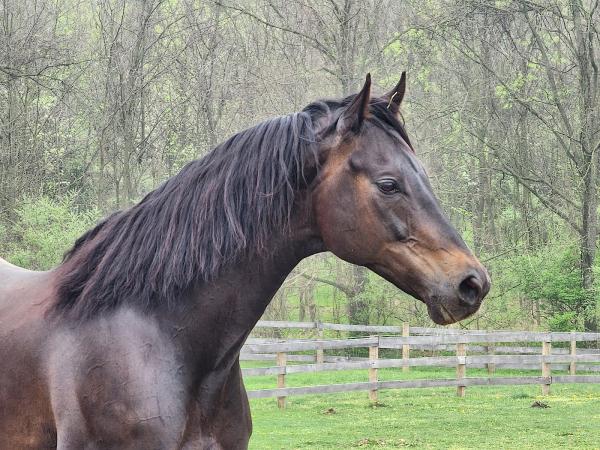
[185, 231]
[215, 210]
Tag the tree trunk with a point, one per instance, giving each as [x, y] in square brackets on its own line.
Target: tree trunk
[358, 307]
[588, 105]
[589, 232]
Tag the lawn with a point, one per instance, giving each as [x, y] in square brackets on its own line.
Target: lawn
[488, 417]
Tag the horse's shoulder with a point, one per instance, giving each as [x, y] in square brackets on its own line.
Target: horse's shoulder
[121, 372]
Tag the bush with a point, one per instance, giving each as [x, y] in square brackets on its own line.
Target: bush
[564, 321]
[552, 276]
[45, 230]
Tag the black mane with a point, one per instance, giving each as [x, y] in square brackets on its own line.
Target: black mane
[215, 210]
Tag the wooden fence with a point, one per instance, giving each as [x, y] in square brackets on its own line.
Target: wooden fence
[471, 349]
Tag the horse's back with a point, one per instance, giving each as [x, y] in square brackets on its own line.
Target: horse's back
[24, 296]
[5, 265]
[18, 284]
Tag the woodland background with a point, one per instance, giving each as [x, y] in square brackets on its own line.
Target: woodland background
[100, 101]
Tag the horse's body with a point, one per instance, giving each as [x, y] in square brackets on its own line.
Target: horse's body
[133, 342]
[137, 381]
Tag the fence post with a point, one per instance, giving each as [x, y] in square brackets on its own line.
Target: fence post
[281, 362]
[546, 368]
[373, 357]
[320, 354]
[461, 368]
[491, 367]
[572, 365]
[405, 347]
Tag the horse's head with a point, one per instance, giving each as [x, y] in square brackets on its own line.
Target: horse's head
[374, 207]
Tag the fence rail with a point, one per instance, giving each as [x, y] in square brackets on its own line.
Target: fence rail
[406, 384]
[472, 349]
[393, 329]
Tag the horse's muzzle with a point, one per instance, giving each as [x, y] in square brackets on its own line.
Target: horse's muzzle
[460, 302]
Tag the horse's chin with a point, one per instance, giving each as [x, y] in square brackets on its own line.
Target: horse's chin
[444, 315]
[439, 315]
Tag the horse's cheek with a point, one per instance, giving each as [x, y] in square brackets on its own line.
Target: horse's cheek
[339, 230]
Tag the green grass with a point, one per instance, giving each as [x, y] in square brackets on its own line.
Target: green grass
[488, 417]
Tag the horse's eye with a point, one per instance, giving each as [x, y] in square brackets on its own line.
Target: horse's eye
[388, 186]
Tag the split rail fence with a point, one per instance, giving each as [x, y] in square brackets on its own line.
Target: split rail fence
[475, 349]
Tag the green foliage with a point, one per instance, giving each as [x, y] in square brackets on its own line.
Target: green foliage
[3, 234]
[552, 276]
[45, 229]
[566, 321]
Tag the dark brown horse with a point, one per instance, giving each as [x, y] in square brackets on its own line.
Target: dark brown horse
[133, 342]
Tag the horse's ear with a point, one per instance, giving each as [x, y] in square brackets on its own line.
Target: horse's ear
[395, 96]
[354, 115]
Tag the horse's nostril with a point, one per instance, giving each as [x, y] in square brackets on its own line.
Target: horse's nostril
[470, 291]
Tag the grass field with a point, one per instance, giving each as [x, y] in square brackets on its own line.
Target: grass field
[488, 417]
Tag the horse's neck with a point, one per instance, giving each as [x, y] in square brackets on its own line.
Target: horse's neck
[220, 314]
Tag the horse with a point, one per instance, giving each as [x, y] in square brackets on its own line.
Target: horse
[133, 341]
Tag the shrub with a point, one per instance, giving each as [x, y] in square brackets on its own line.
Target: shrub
[45, 229]
[552, 276]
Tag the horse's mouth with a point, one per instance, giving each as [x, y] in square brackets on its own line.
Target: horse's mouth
[442, 315]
